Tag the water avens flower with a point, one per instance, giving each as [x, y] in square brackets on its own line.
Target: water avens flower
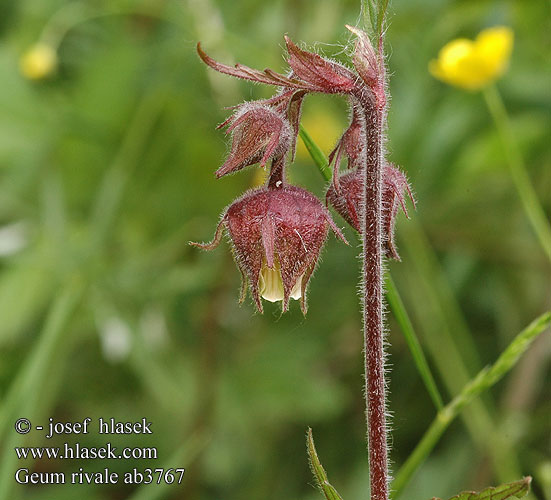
[276, 233]
[473, 64]
[259, 134]
[347, 197]
[395, 187]
[39, 62]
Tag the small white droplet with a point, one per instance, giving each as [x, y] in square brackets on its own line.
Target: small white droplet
[278, 184]
[13, 238]
[116, 339]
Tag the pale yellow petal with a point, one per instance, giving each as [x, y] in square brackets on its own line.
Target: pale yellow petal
[296, 291]
[270, 284]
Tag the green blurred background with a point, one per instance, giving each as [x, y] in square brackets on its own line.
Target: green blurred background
[106, 173]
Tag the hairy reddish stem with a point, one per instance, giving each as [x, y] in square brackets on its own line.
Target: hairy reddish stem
[373, 107]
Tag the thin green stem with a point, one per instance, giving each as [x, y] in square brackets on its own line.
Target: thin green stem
[485, 379]
[368, 15]
[316, 153]
[450, 344]
[402, 317]
[527, 194]
[381, 13]
[76, 13]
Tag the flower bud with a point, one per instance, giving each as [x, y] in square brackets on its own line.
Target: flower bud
[277, 235]
[258, 134]
[347, 201]
[321, 73]
[352, 143]
[365, 58]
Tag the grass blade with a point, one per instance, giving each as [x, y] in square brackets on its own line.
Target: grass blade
[485, 379]
[450, 344]
[22, 397]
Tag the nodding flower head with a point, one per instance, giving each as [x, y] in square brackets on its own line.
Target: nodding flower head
[277, 231]
[347, 199]
[277, 234]
[258, 135]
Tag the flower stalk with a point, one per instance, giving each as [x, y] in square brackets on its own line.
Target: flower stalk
[373, 313]
[373, 110]
[277, 231]
[517, 168]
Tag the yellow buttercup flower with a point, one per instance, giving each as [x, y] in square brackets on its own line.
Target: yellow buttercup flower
[472, 64]
[39, 62]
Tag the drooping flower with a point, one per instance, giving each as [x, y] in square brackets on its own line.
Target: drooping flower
[473, 64]
[365, 58]
[277, 234]
[258, 135]
[352, 144]
[348, 198]
[39, 62]
[368, 65]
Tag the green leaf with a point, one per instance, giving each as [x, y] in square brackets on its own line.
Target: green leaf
[485, 379]
[319, 472]
[381, 12]
[373, 15]
[518, 489]
[316, 153]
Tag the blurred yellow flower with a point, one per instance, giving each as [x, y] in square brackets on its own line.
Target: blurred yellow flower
[325, 130]
[473, 64]
[39, 62]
